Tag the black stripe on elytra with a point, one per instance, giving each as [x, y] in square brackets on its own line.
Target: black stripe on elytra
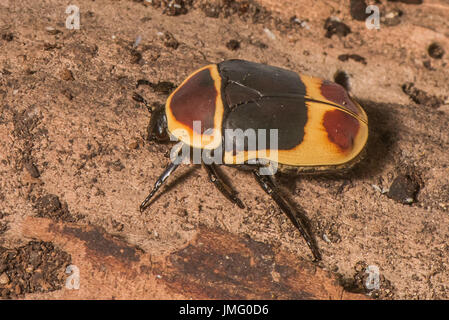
[289, 116]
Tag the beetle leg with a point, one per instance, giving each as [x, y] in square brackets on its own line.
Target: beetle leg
[221, 185]
[296, 217]
[162, 178]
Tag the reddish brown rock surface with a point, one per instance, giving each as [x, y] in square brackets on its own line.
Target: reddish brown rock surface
[75, 163]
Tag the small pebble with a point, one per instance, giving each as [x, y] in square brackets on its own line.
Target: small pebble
[355, 57]
[335, 26]
[51, 30]
[4, 279]
[67, 75]
[403, 189]
[435, 50]
[32, 169]
[18, 290]
[269, 34]
[133, 145]
[358, 10]
[392, 18]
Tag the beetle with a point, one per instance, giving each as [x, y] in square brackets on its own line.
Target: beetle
[319, 126]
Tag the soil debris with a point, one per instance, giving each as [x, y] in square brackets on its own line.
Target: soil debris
[355, 57]
[358, 10]
[35, 267]
[420, 96]
[404, 189]
[335, 26]
[436, 51]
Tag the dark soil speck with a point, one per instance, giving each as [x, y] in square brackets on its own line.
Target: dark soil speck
[333, 26]
[233, 45]
[404, 189]
[435, 50]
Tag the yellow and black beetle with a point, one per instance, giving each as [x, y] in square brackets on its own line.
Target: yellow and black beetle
[319, 126]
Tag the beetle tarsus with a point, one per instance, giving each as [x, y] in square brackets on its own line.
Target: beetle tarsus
[267, 183]
[160, 181]
[221, 185]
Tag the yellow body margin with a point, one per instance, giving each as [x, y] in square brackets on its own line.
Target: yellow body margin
[314, 151]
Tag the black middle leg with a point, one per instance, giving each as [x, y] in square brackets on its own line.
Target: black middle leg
[296, 217]
[221, 185]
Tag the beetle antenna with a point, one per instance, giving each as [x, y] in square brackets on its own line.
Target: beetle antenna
[138, 98]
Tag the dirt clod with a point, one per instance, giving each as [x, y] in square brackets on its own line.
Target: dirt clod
[435, 50]
[233, 45]
[51, 207]
[162, 87]
[421, 97]
[170, 41]
[3, 227]
[404, 189]
[334, 26]
[136, 57]
[51, 30]
[7, 36]
[32, 169]
[4, 279]
[358, 10]
[355, 57]
[67, 75]
[172, 7]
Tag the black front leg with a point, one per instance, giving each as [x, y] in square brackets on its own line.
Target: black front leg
[296, 217]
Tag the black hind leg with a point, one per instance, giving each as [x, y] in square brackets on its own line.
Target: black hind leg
[296, 217]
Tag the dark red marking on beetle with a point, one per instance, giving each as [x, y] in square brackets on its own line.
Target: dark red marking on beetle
[195, 101]
[341, 128]
[337, 94]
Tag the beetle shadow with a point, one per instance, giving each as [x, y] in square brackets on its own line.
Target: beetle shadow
[381, 147]
[382, 143]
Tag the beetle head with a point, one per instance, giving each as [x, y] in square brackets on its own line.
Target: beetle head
[157, 129]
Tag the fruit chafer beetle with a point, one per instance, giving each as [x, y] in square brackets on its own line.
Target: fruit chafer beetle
[222, 110]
